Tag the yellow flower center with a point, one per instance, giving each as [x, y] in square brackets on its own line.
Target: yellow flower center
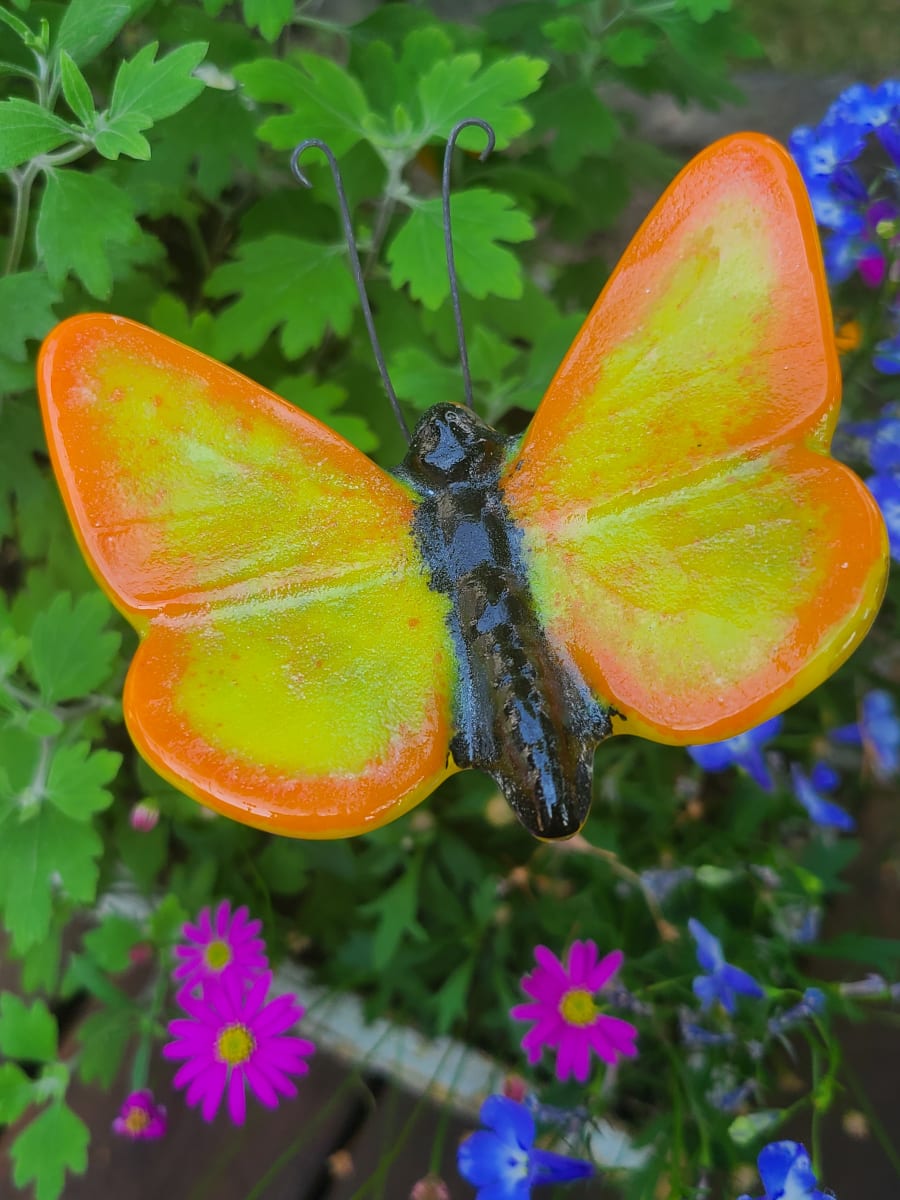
[235, 1044]
[848, 337]
[137, 1120]
[217, 955]
[577, 1007]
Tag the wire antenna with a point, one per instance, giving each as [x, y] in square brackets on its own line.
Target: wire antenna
[448, 238]
[354, 263]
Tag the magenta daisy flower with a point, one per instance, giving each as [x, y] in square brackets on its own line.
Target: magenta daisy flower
[566, 1015]
[232, 1039]
[222, 944]
[140, 1117]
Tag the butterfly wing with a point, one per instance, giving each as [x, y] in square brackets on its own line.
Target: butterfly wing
[295, 668]
[691, 544]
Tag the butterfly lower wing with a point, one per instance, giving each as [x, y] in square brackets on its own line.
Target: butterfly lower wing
[692, 546]
[295, 669]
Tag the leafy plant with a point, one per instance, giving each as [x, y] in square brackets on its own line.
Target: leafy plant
[145, 148]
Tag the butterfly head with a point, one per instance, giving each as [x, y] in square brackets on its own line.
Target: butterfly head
[451, 444]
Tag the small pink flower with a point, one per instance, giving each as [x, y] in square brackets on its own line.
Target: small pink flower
[220, 945]
[140, 1117]
[232, 1039]
[565, 1014]
[144, 816]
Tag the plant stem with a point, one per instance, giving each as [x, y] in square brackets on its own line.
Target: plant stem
[22, 183]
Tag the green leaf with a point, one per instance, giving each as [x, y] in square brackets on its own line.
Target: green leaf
[27, 1032]
[25, 311]
[268, 16]
[16, 1092]
[88, 26]
[423, 380]
[110, 944]
[451, 999]
[881, 953]
[303, 288]
[593, 133]
[169, 314]
[53, 1143]
[396, 909]
[76, 779]
[153, 90]
[481, 218]
[72, 651]
[27, 130]
[83, 219]
[325, 101]
[283, 865]
[39, 858]
[76, 90]
[103, 1037]
[631, 47]
[747, 1128]
[323, 401]
[457, 87]
[166, 922]
[702, 10]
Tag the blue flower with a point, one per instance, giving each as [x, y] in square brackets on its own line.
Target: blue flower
[878, 729]
[723, 982]
[886, 490]
[503, 1162]
[812, 1004]
[786, 1173]
[808, 791]
[745, 751]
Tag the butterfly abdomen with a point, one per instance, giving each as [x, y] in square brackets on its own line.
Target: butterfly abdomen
[521, 714]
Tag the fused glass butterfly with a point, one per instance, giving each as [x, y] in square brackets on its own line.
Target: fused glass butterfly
[668, 551]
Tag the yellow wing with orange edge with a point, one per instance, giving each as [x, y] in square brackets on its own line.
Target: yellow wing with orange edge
[691, 544]
[295, 669]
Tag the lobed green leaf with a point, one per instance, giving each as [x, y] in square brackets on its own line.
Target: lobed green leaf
[268, 16]
[53, 1143]
[16, 1092]
[302, 288]
[150, 90]
[27, 130]
[88, 26]
[25, 311]
[76, 89]
[481, 219]
[325, 101]
[82, 220]
[456, 88]
[72, 651]
[76, 779]
[27, 1032]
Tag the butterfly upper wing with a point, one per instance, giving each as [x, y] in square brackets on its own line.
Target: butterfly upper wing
[691, 544]
[295, 669]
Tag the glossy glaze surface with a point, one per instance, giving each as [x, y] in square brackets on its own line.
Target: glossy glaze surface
[323, 643]
[522, 711]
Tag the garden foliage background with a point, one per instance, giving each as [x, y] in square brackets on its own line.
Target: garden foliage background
[146, 148]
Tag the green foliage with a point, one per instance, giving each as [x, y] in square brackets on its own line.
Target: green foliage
[145, 151]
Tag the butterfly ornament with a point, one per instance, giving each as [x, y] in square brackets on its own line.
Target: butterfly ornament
[668, 551]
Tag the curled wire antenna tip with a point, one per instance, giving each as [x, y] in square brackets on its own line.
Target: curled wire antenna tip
[448, 238]
[356, 267]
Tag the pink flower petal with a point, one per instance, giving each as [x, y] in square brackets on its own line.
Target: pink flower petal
[260, 1086]
[546, 959]
[564, 1060]
[222, 914]
[604, 970]
[237, 1097]
[582, 957]
[214, 1088]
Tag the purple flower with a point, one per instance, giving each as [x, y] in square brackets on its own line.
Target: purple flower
[502, 1161]
[877, 731]
[219, 946]
[232, 1039]
[565, 1015]
[786, 1173]
[744, 751]
[140, 1118]
[722, 981]
[809, 789]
